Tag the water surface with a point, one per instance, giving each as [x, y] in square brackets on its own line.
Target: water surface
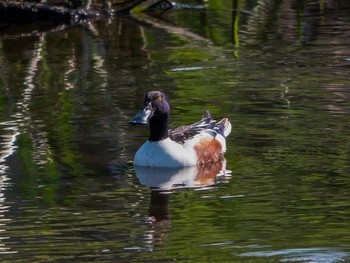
[279, 70]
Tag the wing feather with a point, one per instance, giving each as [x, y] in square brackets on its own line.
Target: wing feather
[206, 124]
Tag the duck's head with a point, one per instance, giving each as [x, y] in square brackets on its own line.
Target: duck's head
[155, 109]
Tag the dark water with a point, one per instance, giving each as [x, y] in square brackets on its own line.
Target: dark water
[279, 69]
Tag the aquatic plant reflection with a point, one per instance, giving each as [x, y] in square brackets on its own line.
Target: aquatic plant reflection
[4, 249]
[7, 148]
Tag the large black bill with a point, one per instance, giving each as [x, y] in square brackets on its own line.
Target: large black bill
[142, 117]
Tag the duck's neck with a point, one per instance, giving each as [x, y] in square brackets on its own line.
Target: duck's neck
[159, 126]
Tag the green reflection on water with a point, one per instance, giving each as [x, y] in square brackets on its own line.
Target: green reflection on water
[285, 88]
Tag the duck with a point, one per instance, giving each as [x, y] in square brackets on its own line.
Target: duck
[198, 144]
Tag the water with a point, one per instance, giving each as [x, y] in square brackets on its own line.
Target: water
[280, 70]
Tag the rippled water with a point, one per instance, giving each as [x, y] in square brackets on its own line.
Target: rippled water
[278, 69]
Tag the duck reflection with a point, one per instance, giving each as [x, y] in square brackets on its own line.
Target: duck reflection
[167, 179]
[164, 181]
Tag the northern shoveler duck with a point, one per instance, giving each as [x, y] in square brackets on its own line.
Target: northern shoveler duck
[203, 142]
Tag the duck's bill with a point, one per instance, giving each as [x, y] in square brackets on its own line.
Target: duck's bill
[142, 117]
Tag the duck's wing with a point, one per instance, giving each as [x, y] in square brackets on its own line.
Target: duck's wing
[183, 133]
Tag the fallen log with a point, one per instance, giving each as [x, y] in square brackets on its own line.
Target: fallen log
[13, 12]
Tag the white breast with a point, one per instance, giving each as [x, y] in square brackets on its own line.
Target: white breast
[165, 153]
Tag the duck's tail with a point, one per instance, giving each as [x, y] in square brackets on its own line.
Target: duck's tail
[223, 127]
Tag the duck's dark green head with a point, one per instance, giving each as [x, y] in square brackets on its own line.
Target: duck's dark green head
[155, 107]
[156, 112]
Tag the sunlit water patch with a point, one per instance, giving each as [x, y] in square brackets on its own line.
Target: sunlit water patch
[312, 255]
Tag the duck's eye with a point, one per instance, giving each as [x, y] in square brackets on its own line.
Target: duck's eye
[160, 98]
